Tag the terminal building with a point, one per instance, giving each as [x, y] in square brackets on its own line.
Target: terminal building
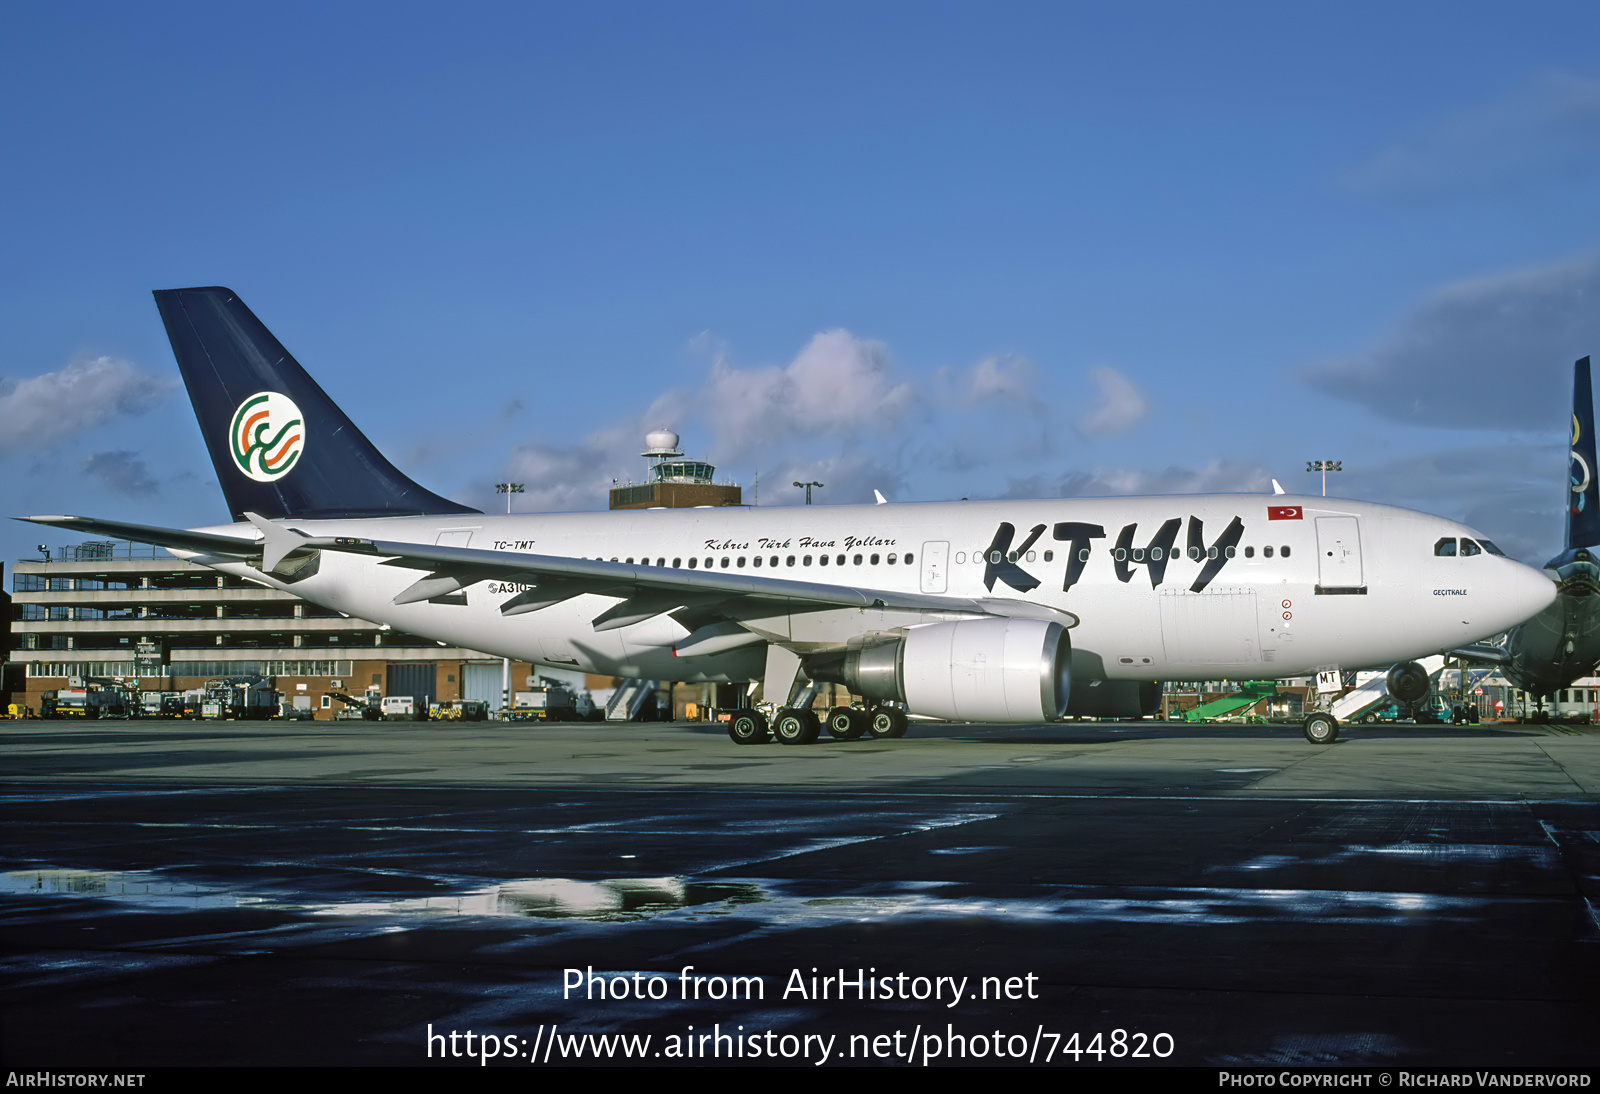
[107, 609]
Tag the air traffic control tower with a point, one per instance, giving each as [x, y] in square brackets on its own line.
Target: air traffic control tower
[673, 482]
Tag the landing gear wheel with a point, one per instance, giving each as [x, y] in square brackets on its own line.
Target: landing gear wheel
[887, 723]
[1322, 729]
[847, 723]
[748, 727]
[796, 727]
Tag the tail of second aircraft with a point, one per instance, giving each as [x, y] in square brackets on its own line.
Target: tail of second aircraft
[1583, 497]
[280, 446]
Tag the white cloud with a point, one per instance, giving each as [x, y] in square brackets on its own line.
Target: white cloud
[1122, 405]
[43, 409]
[1551, 123]
[1495, 352]
[836, 386]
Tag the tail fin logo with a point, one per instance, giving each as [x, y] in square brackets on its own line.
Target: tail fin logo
[1579, 471]
[267, 436]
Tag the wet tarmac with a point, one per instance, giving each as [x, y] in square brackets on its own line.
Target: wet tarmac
[354, 893]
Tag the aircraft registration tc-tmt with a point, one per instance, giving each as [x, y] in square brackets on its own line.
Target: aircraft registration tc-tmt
[992, 611]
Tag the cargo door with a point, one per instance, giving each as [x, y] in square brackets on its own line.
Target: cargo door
[1339, 555]
[935, 566]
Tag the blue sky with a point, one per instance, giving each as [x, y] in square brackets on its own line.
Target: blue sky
[941, 250]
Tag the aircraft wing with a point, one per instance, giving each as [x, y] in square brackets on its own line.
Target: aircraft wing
[645, 591]
[177, 538]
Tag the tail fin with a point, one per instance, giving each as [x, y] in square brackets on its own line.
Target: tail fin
[1583, 500]
[280, 446]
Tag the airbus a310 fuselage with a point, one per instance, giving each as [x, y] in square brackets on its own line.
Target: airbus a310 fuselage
[1007, 611]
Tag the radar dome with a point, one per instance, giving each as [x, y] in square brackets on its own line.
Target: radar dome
[661, 442]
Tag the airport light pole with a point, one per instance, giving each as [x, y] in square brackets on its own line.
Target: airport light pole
[808, 486]
[1324, 466]
[508, 488]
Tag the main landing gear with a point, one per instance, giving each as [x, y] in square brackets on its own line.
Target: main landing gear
[796, 726]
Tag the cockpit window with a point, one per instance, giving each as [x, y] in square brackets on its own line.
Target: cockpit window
[1491, 548]
[1470, 548]
[1445, 548]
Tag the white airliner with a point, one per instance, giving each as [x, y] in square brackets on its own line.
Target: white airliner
[1001, 611]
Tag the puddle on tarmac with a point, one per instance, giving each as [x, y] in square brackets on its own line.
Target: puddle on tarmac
[539, 898]
[623, 900]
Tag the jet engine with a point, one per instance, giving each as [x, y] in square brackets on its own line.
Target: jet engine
[1407, 682]
[971, 670]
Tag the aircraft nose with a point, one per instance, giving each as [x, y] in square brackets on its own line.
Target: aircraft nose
[1524, 592]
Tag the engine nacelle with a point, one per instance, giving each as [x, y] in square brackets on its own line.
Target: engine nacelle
[971, 670]
[1407, 682]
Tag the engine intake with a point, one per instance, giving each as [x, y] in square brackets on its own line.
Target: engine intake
[1407, 682]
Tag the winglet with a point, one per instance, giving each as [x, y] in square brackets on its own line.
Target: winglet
[1276, 489]
[881, 499]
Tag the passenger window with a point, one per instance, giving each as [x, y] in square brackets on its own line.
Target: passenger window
[676, 563]
[908, 560]
[961, 558]
[1266, 552]
[1230, 552]
[1083, 554]
[1249, 552]
[1286, 551]
[741, 561]
[692, 561]
[756, 562]
[806, 561]
[891, 560]
[724, 562]
[1211, 552]
[1470, 548]
[874, 560]
[839, 560]
[1049, 556]
[1445, 548]
[822, 560]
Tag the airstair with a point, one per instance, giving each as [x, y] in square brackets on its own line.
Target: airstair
[1249, 694]
[1365, 698]
[632, 701]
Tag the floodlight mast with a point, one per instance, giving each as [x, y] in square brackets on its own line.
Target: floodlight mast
[1324, 466]
[508, 488]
